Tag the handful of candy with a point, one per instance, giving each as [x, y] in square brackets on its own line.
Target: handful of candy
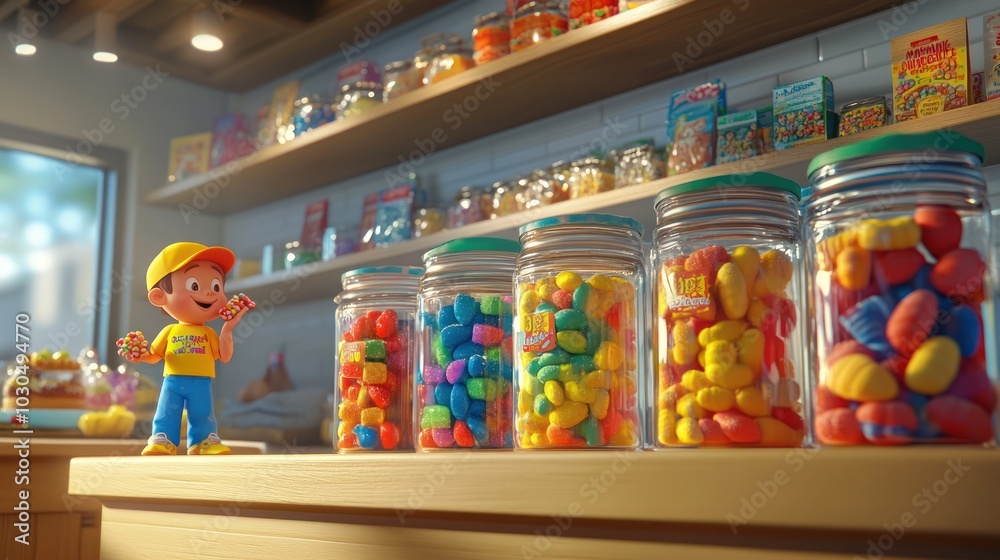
[133, 346]
[235, 305]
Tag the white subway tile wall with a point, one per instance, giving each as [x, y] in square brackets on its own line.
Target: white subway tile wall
[855, 56]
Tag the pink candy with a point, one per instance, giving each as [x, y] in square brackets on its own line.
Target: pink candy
[235, 305]
[455, 371]
[487, 335]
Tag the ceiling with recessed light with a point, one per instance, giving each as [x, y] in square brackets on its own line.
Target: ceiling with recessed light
[256, 41]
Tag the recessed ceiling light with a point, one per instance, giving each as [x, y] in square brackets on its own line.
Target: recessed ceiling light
[105, 41]
[206, 33]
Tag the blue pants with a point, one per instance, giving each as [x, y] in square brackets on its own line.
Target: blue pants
[180, 392]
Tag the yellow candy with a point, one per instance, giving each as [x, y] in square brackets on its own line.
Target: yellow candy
[688, 431]
[374, 372]
[758, 312]
[856, 377]
[661, 300]
[854, 268]
[625, 437]
[748, 261]
[528, 302]
[889, 235]
[723, 330]
[569, 414]
[567, 373]
[372, 417]
[364, 399]
[720, 354]
[670, 396]
[685, 343]
[609, 355]
[828, 249]
[599, 303]
[345, 428]
[776, 268]
[732, 291]
[750, 349]
[526, 441]
[545, 292]
[539, 440]
[597, 379]
[349, 413]
[688, 407]
[701, 359]
[716, 399]
[531, 422]
[554, 392]
[760, 288]
[694, 379]
[734, 377]
[666, 427]
[934, 365]
[601, 282]
[525, 401]
[580, 393]
[751, 402]
[568, 281]
[775, 433]
[599, 408]
[531, 384]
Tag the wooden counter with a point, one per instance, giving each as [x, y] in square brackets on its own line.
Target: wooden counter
[62, 526]
[719, 504]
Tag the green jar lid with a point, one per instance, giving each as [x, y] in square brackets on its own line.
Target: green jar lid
[736, 181]
[405, 270]
[474, 244]
[939, 141]
[595, 219]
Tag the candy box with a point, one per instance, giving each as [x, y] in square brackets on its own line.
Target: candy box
[368, 214]
[231, 139]
[765, 130]
[803, 113]
[393, 218]
[691, 126]
[991, 55]
[737, 136]
[930, 70]
[864, 114]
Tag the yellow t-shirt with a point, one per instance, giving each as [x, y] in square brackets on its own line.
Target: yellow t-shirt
[187, 350]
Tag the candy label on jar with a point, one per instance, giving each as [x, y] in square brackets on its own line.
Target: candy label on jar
[352, 353]
[687, 291]
[539, 332]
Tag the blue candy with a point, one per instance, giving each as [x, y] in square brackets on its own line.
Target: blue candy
[446, 317]
[466, 350]
[922, 281]
[478, 428]
[453, 335]
[476, 365]
[901, 291]
[477, 408]
[963, 327]
[459, 402]
[442, 394]
[867, 324]
[554, 358]
[367, 437]
[466, 309]
[491, 320]
[546, 306]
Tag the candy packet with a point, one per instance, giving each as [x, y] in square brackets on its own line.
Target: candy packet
[691, 132]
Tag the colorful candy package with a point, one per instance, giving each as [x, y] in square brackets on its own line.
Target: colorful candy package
[737, 136]
[394, 217]
[803, 113]
[765, 130]
[864, 114]
[978, 87]
[991, 55]
[930, 70]
[691, 129]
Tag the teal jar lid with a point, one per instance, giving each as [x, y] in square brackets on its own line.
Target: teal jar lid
[474, 244]
[405, 270]
[583, 219]
[735, 181]
[939, 141]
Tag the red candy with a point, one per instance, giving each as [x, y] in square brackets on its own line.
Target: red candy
[463, 435]
[347, 441]
[912, 321]
[385, 324]
[848, 347]
[738, 427]
[825, 400]
[427, 439]
[788, 416]
[712, 431]
[562, 299]
[133, 346]
[389, 436]
[381, 395]
[940, 229]
[898, 267]
[973, 384]
[839, 427]
[611, 424]
[961, 419]
[887, 423]
[958, 275]
[711, 257]
[362, 329]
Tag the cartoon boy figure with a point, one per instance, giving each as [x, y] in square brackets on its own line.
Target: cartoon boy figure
[186, 281]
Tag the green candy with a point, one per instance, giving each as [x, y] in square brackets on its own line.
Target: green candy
[548, 373]
[570, 320]
[493, 359]
[555, 357]
[546, 307]
[534, 386]
[580, 296]
[441, 354]
[494, 305]
[375, 350]
[534, 365]
[572, 341]
[435, 416]
[482, 388]
[591, 431]
[582, 363]
[542, 405]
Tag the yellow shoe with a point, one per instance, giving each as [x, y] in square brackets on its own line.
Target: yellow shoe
[212, 445]
[159, 445]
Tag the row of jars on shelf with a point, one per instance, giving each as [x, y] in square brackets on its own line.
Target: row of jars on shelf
[853, 316]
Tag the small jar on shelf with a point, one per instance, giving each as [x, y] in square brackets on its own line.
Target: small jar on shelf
[358, 98]
[490, 37]
[559, 174]
[537, 21]
[310, 112]
[586, 12]
[466, 208]
[428, 220]
[502, 199]
[588, 176]
[400, 77]
[450, 57]
[637, 163]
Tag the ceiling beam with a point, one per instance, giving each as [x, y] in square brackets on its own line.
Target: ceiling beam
[266, 15]
[9, 7]
[76, 21]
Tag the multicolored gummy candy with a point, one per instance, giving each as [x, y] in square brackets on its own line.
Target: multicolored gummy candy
[133, 345]
[236, 304]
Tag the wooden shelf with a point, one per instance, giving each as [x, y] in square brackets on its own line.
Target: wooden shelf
[322, 280]
[557, 75]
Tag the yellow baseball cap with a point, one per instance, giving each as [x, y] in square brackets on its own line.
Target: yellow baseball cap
[176, 255]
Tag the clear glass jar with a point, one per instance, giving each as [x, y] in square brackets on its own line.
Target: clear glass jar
[502, 199]
[427, 220]
[310, 112]
[579, 337]
[464, 386]
[638, 163]
[537, 21]
[588, 176]
[899, 250]
[729, 358]
[450, 57]
[541, 189]
[431, 47]
[559, 175]
[358, 98]
[466, 208]
[401, 77]
[376, 322]
[490, 37]
[586, 12]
